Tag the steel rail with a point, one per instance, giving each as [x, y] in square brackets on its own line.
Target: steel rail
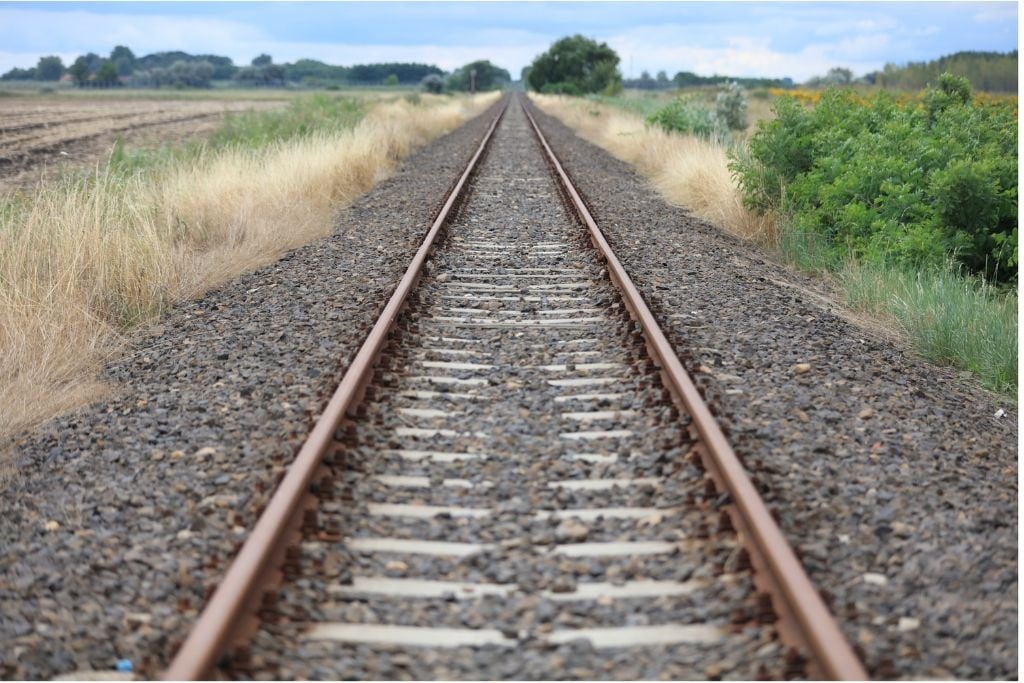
[221, 621]
[804, 618]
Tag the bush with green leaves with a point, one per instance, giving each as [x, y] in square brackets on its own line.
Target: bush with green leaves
[687, 116]
[432, 83]
[910, 184]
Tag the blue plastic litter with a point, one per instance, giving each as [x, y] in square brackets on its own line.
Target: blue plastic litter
[125, 665]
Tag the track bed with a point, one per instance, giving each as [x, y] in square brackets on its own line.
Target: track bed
[517, 503]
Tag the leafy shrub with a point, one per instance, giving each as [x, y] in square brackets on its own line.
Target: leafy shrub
[902, 184]
[686, 116]
[731, 106]
[432, 83]
[564, 88]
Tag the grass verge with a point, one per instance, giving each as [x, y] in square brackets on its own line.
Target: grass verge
[947, 318]
[689, 172]
[89, 256]
[952, 319]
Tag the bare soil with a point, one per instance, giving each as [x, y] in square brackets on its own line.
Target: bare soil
[41, 136]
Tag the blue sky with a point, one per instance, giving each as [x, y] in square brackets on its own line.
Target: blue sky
[775, 39]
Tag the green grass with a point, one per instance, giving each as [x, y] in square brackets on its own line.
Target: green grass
[251, 130]
[950, 319]
[303, 116]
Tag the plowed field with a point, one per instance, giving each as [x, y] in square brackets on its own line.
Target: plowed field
[40, 135]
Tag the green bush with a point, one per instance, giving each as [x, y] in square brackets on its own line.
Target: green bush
[904, 184]
[687, 116]
[564, 88]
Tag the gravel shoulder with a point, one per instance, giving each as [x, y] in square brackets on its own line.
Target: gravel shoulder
[891, 476]
[123, 515]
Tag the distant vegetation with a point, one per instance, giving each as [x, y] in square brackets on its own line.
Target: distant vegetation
[688, 79]
[987, 71]
[183, 70]
[575, 65]
[482, 75]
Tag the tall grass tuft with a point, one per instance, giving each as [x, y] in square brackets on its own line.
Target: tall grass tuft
[690, 172]
[89, 256]
[949, 318]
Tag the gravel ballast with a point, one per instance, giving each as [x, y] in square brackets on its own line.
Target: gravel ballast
[516, 413]
[122, 515]
[894, 479]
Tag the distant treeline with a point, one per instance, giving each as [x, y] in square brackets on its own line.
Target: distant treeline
[987, 71]
[181, 69]
[688, 79]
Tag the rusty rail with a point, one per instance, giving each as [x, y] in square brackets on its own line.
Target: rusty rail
[227, 615]
[804, 619]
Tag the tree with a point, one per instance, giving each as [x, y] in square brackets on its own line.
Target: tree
[223, 67]
[184, 74]
[49, 68]
[93, 61]
[106, 75]
[80, 70]
[315, 72]
[645, 82]
[481, 74]
[262, 60]
[266, 75]
[576, 65]
[391, 79]
[407, 73]
[17, 74]
[432, 83]
[835, 76]
[123, 59]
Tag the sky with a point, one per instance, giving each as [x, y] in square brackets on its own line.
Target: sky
[771, 39]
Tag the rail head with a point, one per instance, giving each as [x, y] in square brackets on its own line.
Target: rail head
[804, 617]
[223, 619]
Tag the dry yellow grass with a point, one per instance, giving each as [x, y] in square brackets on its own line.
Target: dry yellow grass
[687, 171]
[81, 261]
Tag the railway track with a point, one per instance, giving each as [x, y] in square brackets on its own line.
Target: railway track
[515, 479]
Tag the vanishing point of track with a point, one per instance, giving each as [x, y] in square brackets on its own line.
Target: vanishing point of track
[516, 478]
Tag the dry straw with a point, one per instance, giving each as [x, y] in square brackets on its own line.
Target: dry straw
[82, 260]
[687, 171]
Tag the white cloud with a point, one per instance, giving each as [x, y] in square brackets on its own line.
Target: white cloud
[1005, 12]
[744, 55]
